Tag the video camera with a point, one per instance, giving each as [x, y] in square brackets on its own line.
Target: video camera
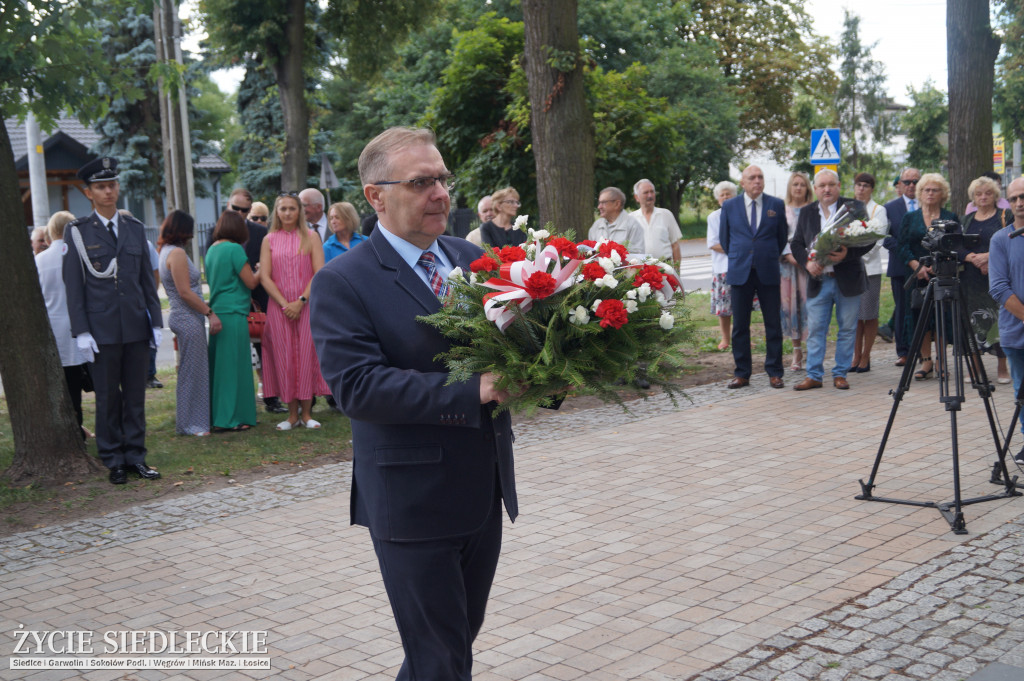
[945, 237]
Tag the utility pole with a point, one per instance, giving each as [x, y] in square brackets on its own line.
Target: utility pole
[174, 127]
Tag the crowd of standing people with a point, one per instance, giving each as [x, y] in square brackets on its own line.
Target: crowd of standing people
[262, 260]
[759, 260]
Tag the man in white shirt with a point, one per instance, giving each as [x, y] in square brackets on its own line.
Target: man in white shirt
[615, 223]
[313, 205]
[661, 230]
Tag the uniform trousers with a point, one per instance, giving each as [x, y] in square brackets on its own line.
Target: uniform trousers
[119, 376]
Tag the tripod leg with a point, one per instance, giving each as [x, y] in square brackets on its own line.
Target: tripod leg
[904, 385]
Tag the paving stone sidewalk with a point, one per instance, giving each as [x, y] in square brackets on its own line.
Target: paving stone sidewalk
[958, 615]
[716, 541]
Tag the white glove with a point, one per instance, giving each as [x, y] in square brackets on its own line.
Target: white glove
[87, 345]
[157, 335]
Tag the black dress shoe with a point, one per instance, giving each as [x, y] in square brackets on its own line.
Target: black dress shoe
[154, 383]
[273, 405]
[143, 471]
[118, 475]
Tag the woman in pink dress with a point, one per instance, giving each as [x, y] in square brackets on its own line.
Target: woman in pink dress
[289, 258]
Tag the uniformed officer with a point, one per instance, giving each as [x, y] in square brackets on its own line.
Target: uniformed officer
[115, 314]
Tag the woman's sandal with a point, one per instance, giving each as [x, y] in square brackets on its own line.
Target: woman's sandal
[921, 374]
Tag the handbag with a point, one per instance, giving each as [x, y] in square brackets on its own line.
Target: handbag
[257, 319]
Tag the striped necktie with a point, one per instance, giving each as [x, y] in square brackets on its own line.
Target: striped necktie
[437, 284]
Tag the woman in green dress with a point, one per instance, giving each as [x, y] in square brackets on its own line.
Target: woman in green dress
[232, 396]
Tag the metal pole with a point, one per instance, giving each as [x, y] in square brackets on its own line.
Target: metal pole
[37, 173]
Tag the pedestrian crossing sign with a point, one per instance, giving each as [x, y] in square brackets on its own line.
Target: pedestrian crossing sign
[825, 146]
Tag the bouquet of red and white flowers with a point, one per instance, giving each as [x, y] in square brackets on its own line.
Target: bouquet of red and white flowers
[558, 315]
[848, 227]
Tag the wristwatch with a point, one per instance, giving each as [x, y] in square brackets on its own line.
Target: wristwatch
[304, 299]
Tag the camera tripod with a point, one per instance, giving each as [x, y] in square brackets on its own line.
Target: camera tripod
[944, 304]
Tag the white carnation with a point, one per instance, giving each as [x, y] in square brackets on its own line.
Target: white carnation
[597, 303]
[644, 291]
[607, 264]
[520, 221]
[616, 258]
[456, 274]
[631, 294]
[607, 280]
[579, 316]
[667, 321]
[631, 305]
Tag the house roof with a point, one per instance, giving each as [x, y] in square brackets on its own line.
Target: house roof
[81, 138]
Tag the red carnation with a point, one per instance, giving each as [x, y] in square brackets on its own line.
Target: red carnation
[590, 243]
[605, 251]
[484, 263]
[565, 247]
[511, 254]
[649, 274]
[592, 271]
[540, 285]
[612, 313]
[673, 282]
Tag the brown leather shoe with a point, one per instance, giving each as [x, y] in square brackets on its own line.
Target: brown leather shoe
[840, 382]
[902, 361]
[777, 382]
[738, 383]
[807, 384]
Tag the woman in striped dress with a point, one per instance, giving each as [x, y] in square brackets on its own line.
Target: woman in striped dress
[289, 258]
[180, 278]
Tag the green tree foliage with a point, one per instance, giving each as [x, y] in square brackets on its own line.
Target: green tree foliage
[925, 123]
[860, 99]
[768, 52]
[130, 129]
[1009, 91]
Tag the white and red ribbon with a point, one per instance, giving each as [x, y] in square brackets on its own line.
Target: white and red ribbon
[510, 285]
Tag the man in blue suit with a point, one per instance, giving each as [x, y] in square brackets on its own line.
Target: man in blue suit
[431, 461]
[753, 233]
[896, 270]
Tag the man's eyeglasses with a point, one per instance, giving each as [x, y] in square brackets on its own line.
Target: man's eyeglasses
[908, 182]
[258, 218]
[239, 209]
[288, 194]
[423, 184]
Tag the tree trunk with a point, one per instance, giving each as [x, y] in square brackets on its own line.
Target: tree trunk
[48, 445]
[561, 125]
[291, 85]
[971, 51]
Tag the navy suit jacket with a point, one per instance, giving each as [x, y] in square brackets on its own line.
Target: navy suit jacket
[118, 310]
[425, 454]
[895, 209]
[746, 250]
[850, 274]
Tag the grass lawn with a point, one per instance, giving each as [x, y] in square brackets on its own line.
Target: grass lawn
[187, 463]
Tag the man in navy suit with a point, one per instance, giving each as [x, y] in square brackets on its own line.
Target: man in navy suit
[431, 461]
[837, 284]
[896, 270]
[753, 233]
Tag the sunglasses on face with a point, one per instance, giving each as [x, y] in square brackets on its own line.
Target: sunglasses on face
[239, 209]
[258, 218]
[908, 182]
